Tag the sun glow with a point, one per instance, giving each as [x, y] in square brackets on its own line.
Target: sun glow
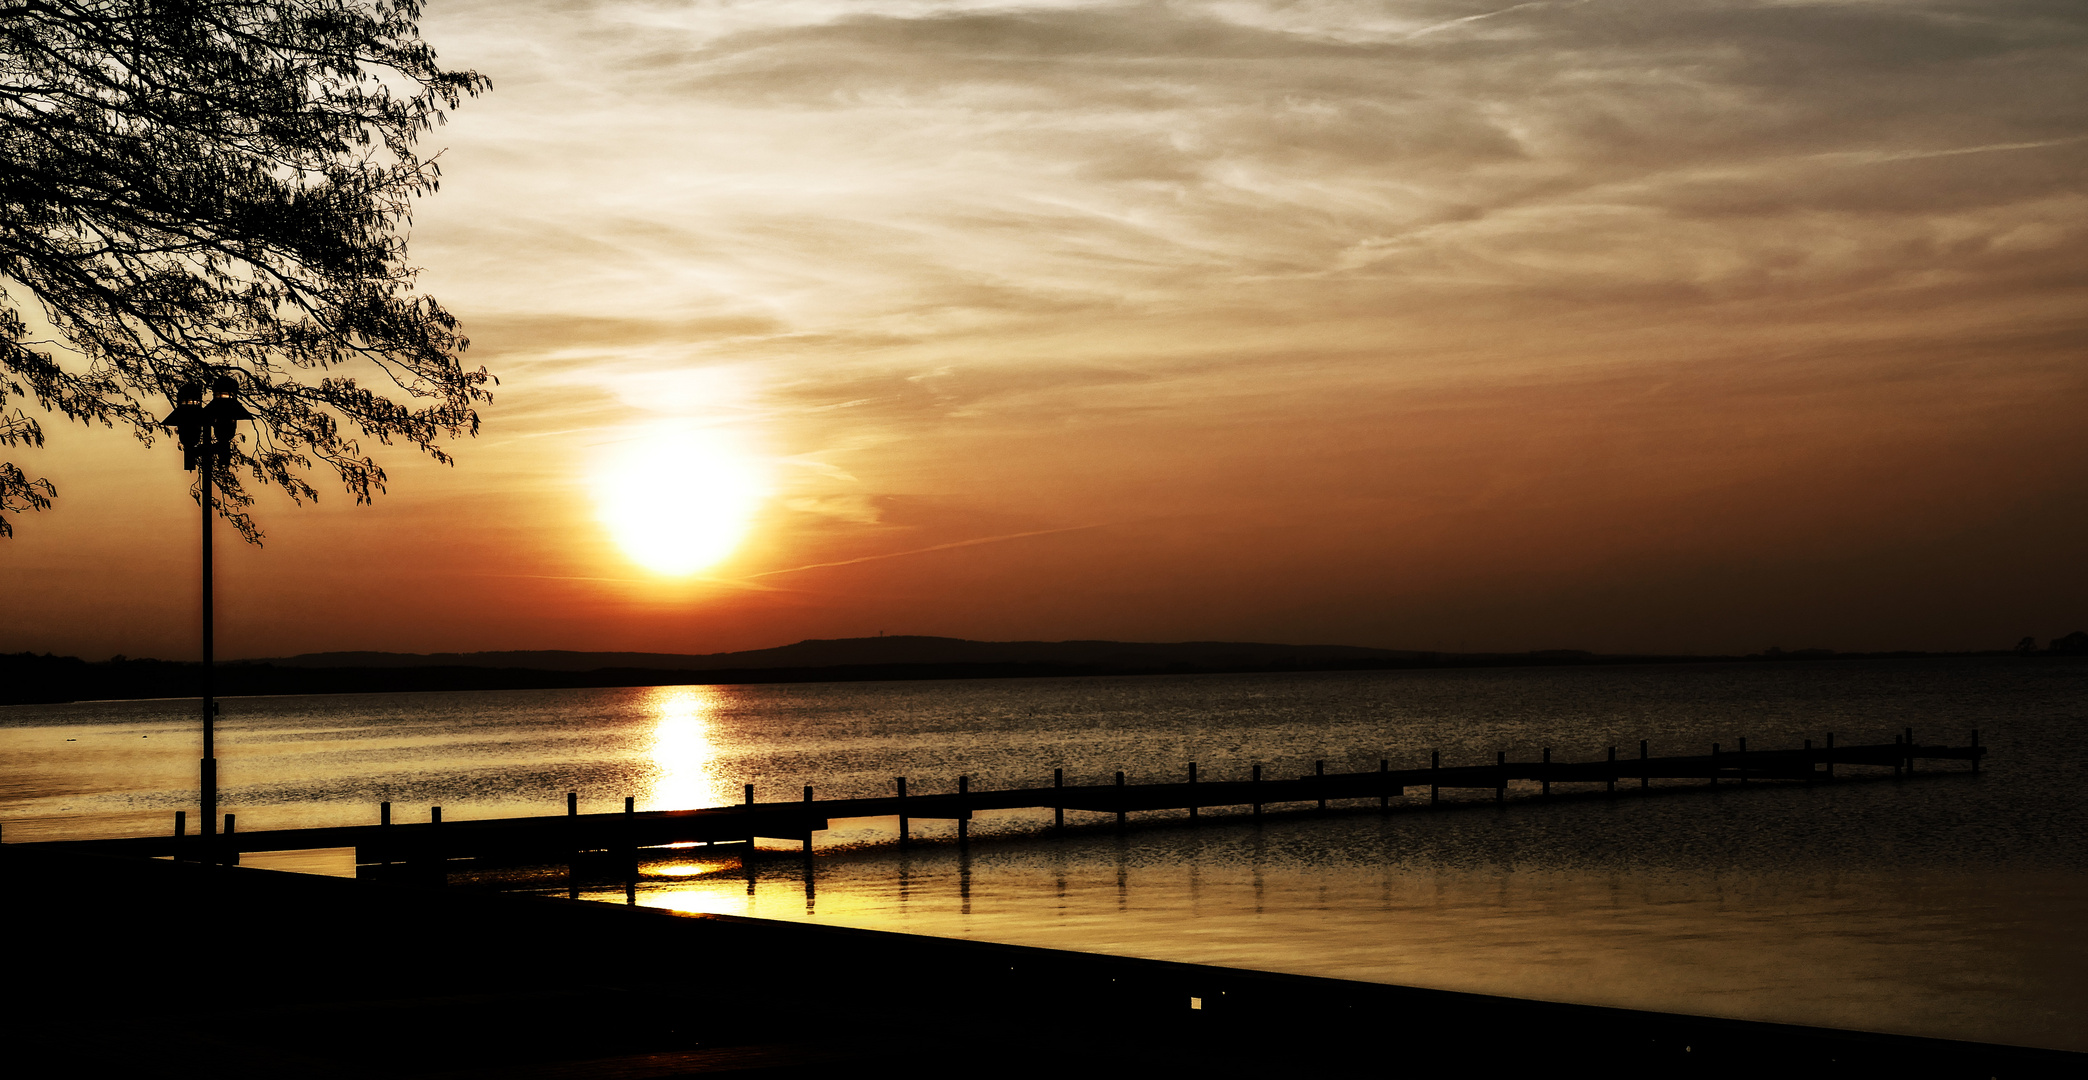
[679, 500]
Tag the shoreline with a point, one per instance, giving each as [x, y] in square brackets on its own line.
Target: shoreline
[244, 971]
[54, 680]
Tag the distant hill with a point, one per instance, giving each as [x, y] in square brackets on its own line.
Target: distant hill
[27, 678]
[899, 649]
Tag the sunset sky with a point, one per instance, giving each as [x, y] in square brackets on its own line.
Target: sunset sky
[1665, 325]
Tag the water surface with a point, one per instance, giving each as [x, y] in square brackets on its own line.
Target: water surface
[1943, 907]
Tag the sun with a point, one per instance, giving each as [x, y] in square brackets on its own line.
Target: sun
[679, 500]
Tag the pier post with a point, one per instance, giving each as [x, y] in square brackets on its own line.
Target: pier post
[231, 857]
[1435, 776]
[1385, 785]
[1612, 770]
[572, 845]
[1910, 751]
[1830, 755]
[631, 849]
[903, 822]
[1192, 791]
[1899, 758]
[808, 823]
[1319, 786]
[749, 812]
[1808, 761]
[1645, 770]
[1257, 793]
[181, 820]
[1544, 773]
[1120, 800]
[963, 804]
[1058, 798]
[1975, 751]
[438, 864]
[1500, 776]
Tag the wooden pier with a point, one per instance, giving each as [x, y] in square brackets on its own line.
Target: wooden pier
[439, 845]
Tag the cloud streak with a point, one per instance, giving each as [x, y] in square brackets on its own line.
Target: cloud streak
[951, 546]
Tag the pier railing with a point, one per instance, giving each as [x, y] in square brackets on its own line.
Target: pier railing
[572, 836]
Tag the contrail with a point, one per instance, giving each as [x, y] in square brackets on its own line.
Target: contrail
[925, 550]
[1432, 28]
[1955, 151]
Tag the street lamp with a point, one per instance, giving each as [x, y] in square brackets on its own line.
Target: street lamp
[205, 432]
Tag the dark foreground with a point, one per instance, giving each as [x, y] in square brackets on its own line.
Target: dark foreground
[123, 966]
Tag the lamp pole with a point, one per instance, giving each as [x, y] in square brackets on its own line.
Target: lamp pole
[206, 434]
[207, 781]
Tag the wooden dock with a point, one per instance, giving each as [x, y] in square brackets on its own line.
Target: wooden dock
[438, 845]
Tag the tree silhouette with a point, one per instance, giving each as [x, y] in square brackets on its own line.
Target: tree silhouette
[197, 189]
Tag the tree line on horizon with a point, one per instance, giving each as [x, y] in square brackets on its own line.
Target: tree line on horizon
[28, 678]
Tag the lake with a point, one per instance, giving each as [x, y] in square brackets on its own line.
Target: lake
[1949, 906]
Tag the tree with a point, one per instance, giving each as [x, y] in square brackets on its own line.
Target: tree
[199, 189]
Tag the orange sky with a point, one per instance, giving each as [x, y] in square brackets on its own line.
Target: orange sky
[1622, 326]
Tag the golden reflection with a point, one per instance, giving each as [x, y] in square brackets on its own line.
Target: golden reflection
[684, 761]
[676, 870]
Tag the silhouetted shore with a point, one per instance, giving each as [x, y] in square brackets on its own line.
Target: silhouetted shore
[194, 970]
[29, 678]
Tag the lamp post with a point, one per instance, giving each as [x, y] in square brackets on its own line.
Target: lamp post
[205, 432]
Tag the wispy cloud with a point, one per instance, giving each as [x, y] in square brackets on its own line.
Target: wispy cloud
[951, 546]
[1330, 302]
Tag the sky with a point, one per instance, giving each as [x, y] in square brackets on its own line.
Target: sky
[1628, 326]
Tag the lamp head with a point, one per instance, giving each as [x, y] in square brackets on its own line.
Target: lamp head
[187, 421]
[224, 414]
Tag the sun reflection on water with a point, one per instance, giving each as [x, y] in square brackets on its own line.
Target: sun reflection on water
[684, 760]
